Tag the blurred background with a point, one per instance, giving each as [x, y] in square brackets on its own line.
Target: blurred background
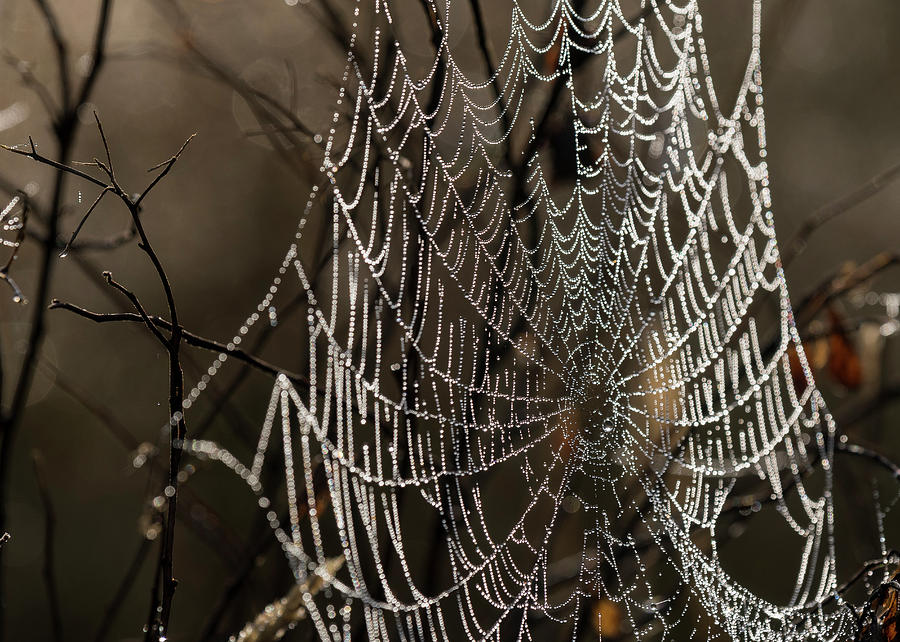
[222, 220]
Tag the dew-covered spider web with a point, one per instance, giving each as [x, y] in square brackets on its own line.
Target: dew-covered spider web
[543, 354]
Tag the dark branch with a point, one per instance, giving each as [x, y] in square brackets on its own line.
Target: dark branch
[124, 588]
[189, 338]
[834, 209]
[49, 568]
[870, 455]
[84, 219]
[59, 45]
[33, 154]
[23, 68]
[166, 165]
[131, 296]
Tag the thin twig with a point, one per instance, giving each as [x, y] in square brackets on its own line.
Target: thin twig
[834, 209]
[235, 583]
[18, 296]
[856, 413]
[223, 400]
[107, 419]
[166, 165]
[223, 536]
[190, 338]
[836, 285]
[870, 455]
[33, 154]
[161, 603]
[131, 296]
[124, 588]
[84, 219]
[23, 68]
[98, 53]
[112, 176]
[59, 45]
[862, 572]
[49, 569]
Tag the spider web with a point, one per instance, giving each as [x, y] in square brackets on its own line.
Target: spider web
[535, 382]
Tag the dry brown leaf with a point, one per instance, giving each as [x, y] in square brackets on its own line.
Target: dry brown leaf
[607, 618]
[882, 621]
[843, 361]
[551, 58]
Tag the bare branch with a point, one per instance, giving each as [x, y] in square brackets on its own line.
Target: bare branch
[834, 209]
[18, 296]
[106, 417]
[49, 568]
[189, 337]
[161, 605]
[61, 49]
[836, 285]
[98, 52]
[31, 81]
[131, 296]
[84, 219]
[278, 616]
[109, 162]
[166, 165]
[871, 565]
[870, 455]
[68, 169]
[124, 588]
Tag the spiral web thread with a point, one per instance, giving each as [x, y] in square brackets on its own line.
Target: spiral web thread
[527, 394]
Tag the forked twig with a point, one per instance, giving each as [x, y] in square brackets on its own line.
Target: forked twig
[190, 338]
[131, 296]
[164, 584]
[166, 165]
